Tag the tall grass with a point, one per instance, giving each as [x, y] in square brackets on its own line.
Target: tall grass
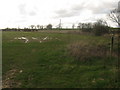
[85, 50]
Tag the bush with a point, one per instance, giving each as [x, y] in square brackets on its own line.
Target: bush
[100, 28]
[49, 26]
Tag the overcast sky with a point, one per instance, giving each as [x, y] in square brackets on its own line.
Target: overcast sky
[23, 13]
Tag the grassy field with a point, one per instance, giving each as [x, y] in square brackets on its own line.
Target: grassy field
[62, 60]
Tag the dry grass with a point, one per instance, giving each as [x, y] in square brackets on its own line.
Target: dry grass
[60, 31]
[66, 31]
[85, 51]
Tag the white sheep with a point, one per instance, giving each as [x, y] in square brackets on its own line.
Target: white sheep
[34, 38]
[45, 38]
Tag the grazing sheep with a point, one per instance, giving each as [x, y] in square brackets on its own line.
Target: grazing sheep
[26, 40]
[45, 38]
[22, 38]
[19, 38]
[34, 38]
[40, 41]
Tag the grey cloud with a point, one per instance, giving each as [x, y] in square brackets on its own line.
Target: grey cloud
[61, 11]
[24, 11]
[66, 13]
[103, 7]
[78, 7]
[32, 13]
[69, 12]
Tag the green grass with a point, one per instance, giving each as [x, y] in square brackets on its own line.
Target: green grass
[49, 64]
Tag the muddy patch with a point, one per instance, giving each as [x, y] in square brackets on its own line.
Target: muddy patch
[8, 80]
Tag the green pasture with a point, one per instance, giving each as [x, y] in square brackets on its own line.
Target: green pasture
[54, 64]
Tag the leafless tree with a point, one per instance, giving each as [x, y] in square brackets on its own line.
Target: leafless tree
[41, 27]
[79, 26]
[38, 26]
[115, 15]
[32, 26]
[73, 26]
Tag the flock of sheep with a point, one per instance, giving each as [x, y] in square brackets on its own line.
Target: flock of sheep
[26, 40]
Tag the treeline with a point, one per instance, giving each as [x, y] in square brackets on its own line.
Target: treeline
[27, 30]
[98, 28]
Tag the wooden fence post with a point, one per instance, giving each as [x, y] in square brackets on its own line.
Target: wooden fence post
[111, 45]
[118, 61]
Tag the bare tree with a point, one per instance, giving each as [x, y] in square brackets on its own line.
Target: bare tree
[115, 15]
[32, 26]
[38, 26]
[41, 27]
[87, 27]
[79, 26]
[73, 26]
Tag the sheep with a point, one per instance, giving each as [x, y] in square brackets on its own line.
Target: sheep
[22, 38]
[45, 38]
[34, 38]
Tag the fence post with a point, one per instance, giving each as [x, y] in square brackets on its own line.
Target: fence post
[118, 61]
[111, 46]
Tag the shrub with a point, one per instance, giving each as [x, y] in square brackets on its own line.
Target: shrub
[49, 26]
[100, 28]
